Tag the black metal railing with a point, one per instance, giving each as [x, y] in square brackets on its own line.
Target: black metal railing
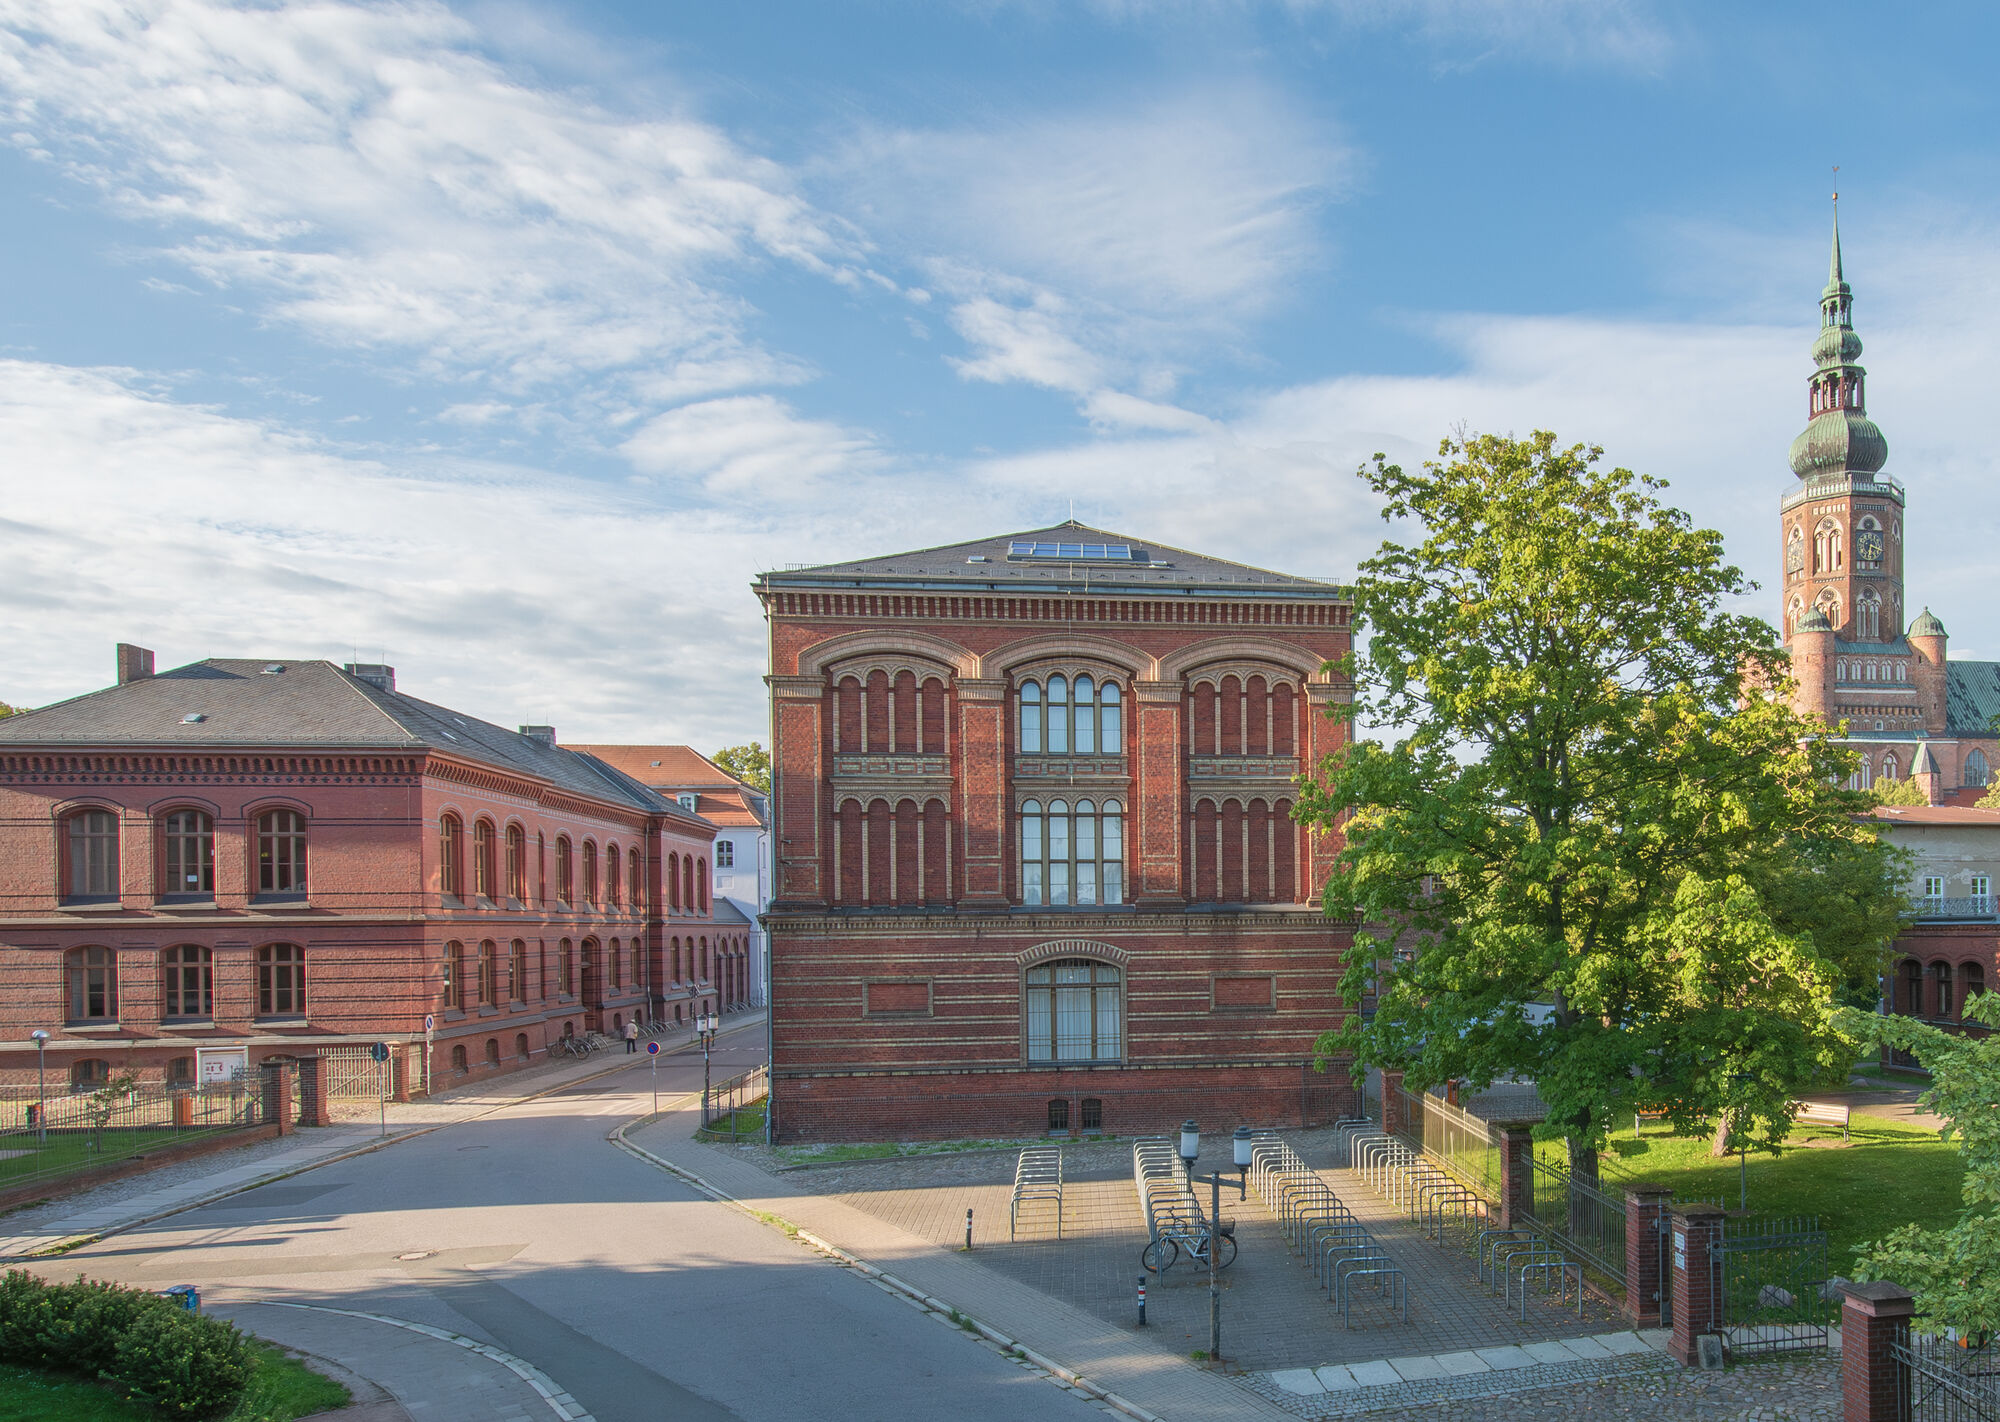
[1946, 1380]
[43, 1141]
[1584, 1219]
[1771, 1290]
[1978, 906]
[734, 1110]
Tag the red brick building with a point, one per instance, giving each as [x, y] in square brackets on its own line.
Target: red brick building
[236, 860]
[1036, 868]
[1949, 949]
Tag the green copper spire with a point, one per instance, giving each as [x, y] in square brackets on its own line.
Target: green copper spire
[1840, 439]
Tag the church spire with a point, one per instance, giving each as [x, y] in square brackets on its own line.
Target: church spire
[1839, 438]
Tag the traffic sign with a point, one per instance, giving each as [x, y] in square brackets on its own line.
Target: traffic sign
[379, 1052]
[652, 1049]
[430, 1021]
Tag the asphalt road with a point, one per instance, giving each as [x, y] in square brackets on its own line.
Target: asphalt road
[643, 1299]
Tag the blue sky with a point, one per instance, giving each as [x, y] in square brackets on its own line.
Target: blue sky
[509, 341]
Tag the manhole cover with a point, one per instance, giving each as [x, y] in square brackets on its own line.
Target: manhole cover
[417, 1254]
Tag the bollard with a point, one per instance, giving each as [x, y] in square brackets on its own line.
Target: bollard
[968, 1229]
[1142, 1300]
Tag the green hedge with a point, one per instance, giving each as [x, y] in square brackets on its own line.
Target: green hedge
[179, 1363]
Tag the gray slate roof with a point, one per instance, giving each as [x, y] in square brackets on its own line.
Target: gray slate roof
[310, 705]
[1971, 697]
[984, 564]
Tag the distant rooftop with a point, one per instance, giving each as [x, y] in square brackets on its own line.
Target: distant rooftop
[1070, 555]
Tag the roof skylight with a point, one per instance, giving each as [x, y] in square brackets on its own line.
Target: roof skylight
[1075, 552]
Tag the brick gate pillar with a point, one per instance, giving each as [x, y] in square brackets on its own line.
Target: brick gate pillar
[280, 1109]
[314, 1108]
[1517, 1174]
[1873, 1386]
[399, 1074]
[1645, 1207]
[1697, 1231]
[1392, 1102]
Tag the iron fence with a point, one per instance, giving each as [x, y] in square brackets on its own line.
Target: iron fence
[1459, 1141]
[1946, 1380]
[1770, 1286]
[77, 1135]
[1580, 1217]
[734, 1109]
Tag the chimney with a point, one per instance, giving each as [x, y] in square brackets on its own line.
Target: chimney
[374, 673]
[545, 734]
[134, 663]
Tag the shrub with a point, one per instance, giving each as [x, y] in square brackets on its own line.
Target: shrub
[181, 1364]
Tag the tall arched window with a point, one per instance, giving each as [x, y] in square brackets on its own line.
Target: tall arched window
[1072, 853]
[635, 884]
[187, 974]
[489, 973]
[1061, 716]
[1941, 999]
[93, 984]
[687, 882]
[614, 966]
[590, 871]
[1868, 615]
[1974, 979]
[1891, 769]
[1976, 770]
[1074, 1012]
[517, 863]
[566, 969]
[281, 980]
[90, 841]
[673, 881]
[614, 882]
[1795, 551]
[454, 976]
[701, 883]
[517, 971]
[281, 852]
[451, 862]
[485, 882]
[188, 838]
[565, 877]
[1911, 1001]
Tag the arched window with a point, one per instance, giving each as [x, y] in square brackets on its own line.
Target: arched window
[1891, 769]
[565, 881]
[281, 852]
[188, 837]
[687, 881]
[91, 847]
[489, 972]
[454, 976]
[673, 881]
[451, 862]
[93, 984]
[1795, 551]
[517, 863]
[1868, 615]
[1072, 854]
[590, 871]
[188, 978]
[517, 971]
[635, 884]
[1976, 770]
[493, 1051]
[281, 980]
[1973, 977]
[1074, 1012]
[701, 883]
[1911, 1001]
[1071, 717]
[180, 1073]
[566, 969]
[90, 1074]
[458, 1059]
[485, 883]
[614, 881]
[521, 1045]
[1941, 1001]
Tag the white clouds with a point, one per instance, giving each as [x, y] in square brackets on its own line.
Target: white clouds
[384, 186]
[744, 446]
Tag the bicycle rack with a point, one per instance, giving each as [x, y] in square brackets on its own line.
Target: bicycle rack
[1337, 1247]
[1038, 1179]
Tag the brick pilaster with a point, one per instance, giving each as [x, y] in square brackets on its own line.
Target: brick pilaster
[314, 1108]
[1697, 1229]
[1517, 1174]
[1873, 1386]
[1324, 735]
[1645, 1205]
[1392, 1102]
[1159, 764]
[982, 789]
[799, 753]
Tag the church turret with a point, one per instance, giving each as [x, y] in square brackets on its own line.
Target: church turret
[1839, 438]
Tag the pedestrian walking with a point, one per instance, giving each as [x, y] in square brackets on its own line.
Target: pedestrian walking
[631, 1036]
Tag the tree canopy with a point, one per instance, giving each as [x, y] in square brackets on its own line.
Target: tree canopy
[1599, 802]
[750, 764]
[1955, 1272]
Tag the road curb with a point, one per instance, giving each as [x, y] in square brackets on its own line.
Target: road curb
[64, 1246]
[910, 1291]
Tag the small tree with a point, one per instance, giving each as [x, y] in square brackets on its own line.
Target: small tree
[1600, 801]
[1898, 792]
[750, 764]
[6, 710]
[103, 1102]
[1955, 1272]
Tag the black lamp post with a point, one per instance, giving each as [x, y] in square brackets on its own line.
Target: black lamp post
[1190, 1151]
[41, 1040]
[1738, 1078]
[706, 1024]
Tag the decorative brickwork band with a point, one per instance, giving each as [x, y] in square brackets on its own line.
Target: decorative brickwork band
[1697, 1229]
[1874, 1386]
[1645, 1222]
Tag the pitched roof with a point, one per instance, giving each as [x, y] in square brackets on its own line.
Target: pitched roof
[311, 705]
[1938, 815]
[723, 911]
[1971, 697]
[720, 798]
[1083, 556]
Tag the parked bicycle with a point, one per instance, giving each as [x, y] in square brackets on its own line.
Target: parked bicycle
[1190, 1235]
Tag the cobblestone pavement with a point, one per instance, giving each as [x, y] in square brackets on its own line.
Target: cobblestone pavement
[1807, 1389]
[1273, 1314]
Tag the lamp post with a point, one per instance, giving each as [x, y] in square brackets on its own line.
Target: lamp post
[706, 1023]
[41, 1041]
[1190, 1151]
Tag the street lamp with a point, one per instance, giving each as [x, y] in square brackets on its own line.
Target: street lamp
[1190, 1151]
[41, 1041]
[705, 1025]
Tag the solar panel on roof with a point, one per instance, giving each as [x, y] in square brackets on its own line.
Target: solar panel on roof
[1075, 552]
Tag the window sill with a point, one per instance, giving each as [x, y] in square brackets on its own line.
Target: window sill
[91, 905]
[185, 903]
[453, 1014]
[187, 1024]
[278, 903]
[489, 1011]
[92, 1027]
[288, 1021]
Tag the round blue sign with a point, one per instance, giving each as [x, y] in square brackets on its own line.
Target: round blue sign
[652, 1049]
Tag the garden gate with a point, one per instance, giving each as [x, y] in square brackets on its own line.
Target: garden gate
[1770, 1286]
[1946, 1381]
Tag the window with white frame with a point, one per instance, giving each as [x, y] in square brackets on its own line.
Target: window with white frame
[725, 854]
[1982, 888]
[1072, 852]
[1074, 1012]
[1065, 716]
[1933, 886]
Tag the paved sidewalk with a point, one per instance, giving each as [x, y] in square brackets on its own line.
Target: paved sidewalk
[318, 1146]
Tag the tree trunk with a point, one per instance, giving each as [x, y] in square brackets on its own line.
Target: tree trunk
[1582, 1164]
[1718, 1147]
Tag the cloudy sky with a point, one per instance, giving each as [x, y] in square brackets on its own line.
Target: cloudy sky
[508, 341]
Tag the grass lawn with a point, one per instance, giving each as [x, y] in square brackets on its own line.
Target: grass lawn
[23, 1155]
[1889, 1174]
[282, 1388]
[746, 1124]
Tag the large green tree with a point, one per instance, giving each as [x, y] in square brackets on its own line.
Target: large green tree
[1592, 796]
[1955, 1272]
[750, 764]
